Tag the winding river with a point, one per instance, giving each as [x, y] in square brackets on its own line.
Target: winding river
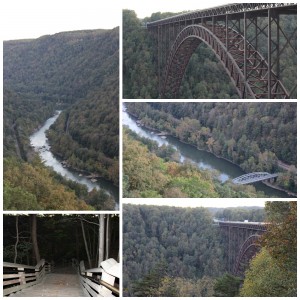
[203, 159]
[39, 142]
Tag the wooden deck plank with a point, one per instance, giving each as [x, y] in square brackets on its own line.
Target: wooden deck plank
[54, 285]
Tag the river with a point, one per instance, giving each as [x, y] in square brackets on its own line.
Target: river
[39, 142]
[204, 160]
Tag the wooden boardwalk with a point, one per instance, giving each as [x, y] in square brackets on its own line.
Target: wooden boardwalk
[54, 285]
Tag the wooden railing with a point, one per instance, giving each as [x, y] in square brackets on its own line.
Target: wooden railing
[100, 282]
[17, 277]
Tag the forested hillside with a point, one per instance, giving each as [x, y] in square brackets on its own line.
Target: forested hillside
[62, 67]
[273, 271]
[205, 77]
[172, 251]
[87, 134]
[180, 246]
[145, 174]
[73, 71]
[22, 115]
[182, 239]
[256, 136]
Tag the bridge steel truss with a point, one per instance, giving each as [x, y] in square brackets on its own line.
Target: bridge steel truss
[253, 177]
[242, 244]
[248, 39]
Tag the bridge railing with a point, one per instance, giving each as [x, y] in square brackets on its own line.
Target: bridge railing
[100, 282]
[17, 277]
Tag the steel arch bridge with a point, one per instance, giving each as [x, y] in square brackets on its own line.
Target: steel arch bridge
[238, 35]
[242, 243]
[253, 177]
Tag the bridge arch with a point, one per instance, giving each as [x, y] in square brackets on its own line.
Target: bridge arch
[218, 39]
[241, 243]
[247, 251]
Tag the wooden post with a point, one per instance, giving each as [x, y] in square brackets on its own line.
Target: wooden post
[22, 278]
[103, 291]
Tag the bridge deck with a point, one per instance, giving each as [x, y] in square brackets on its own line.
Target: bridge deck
[253, 177]
[259, 226]
[234, 8]
[54, 285]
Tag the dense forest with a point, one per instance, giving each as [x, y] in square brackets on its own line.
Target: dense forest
[59, 238]
[31, 186]
[204, 78]
[182, 240]
[76, 72]
[255, 136]
[155, 174]
[171, 251]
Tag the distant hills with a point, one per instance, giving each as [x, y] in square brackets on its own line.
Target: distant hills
[62, 67]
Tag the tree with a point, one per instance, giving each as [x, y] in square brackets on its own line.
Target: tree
[156, 283]
[34, 238]
[17, 239]
[227, 286]
[210, 142]
[85, 244]
[101, 231]
[265, 278]
[281, 237]
[273, 272]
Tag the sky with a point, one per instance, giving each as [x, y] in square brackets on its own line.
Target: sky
[146, 8]
[198, 202]
[33, 18]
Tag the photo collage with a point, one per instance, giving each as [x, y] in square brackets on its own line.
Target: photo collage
[141, 142]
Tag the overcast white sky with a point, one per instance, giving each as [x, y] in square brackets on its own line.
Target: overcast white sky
[198, 202]
[34, 18]
[146, 8]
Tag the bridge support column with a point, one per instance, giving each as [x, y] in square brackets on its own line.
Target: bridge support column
[256, 34]
[226, 25]
[229, 248]
[159, 60]
[245, 96]
[277, 48]
[269, 53]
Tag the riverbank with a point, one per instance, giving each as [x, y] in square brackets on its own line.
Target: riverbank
[289, 193]
[87, 174]
[217, 165]
[279, 188]
[40, 144]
